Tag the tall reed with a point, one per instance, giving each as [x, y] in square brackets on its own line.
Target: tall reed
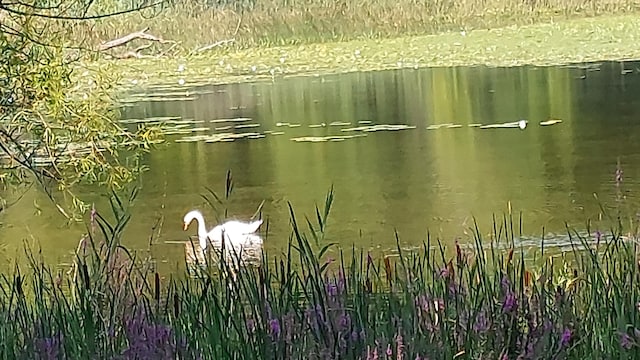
[321, 302]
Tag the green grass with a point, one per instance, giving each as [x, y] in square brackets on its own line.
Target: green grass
[568, 42]
[261, 23]
[482, 302]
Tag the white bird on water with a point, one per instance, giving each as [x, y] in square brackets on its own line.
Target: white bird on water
[235, 232]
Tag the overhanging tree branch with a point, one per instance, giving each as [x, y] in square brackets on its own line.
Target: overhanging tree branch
[76, 18]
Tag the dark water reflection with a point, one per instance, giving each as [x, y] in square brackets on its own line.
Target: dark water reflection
[410, 180]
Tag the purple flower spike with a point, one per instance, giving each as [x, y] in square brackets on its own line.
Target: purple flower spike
[510, 302]
[481, 324]
[332, 289]
[626, 341]
[48, 348]
[565, 338]
[399, 347]
[251, 325]
[345, 321]
[274, 328]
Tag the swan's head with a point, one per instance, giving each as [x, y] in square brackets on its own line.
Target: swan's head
[189, 217]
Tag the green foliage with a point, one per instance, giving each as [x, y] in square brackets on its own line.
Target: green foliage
[53, 131]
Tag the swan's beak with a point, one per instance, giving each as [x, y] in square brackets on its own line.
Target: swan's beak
[185, 226]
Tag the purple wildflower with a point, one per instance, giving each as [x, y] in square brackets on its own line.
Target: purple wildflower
[48, 348]
[340, 283]
[354, 336]
[148, 340]
[565, 337]
[345, 321]
[372, 355]
[626, 341]
[332, 289]
[399, 347]
[251, 325]
[482, 324]
[510, 302]
[389, 351]
[274, 328]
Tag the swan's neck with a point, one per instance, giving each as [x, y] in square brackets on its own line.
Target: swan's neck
[202, 231]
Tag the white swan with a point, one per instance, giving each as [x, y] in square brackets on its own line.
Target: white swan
[235, 232]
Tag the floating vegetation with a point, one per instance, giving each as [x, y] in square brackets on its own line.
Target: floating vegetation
[278, 124]
[381, 127]
[340, 123]
[212, 138]
[157, 99]
[317, 125]
[365, 122]
[514, 124]
[246, 126]
[186, 121]
[277, 132]
[550, 122]
[438, 126]
[224, 128]
[156, 119]
[238, 119]
[453, 126]
[325, 138]
[182, 130]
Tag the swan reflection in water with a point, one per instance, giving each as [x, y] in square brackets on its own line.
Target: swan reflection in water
[234, 254]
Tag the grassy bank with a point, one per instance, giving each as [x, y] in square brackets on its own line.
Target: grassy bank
[575, 41]
[478, 303]
[197, 23]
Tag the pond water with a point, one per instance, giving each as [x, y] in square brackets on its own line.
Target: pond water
[407, 150]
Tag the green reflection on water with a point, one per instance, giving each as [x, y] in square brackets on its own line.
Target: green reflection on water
[412, 178]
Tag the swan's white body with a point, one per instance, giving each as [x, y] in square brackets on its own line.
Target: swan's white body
[236, 233]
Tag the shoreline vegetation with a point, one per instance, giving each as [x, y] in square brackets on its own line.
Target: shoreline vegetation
[483, 302]
[573, 41]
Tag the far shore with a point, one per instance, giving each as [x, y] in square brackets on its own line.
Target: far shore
[582, 41]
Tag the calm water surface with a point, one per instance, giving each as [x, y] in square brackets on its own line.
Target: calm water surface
[434, 170]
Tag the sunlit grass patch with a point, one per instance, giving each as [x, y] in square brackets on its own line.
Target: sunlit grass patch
[575, 42]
